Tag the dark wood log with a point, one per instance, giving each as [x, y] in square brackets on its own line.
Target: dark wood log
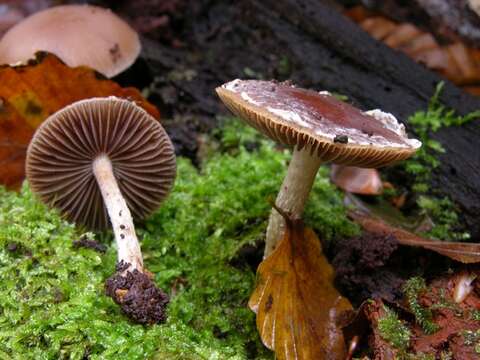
[323, 50]
[351, 62]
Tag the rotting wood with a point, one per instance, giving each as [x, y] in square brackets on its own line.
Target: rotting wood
[324, 50]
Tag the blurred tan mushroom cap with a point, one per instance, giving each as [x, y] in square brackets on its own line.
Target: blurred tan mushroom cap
[77, 34]
[60, 156]
[330, 128]
[357, 180]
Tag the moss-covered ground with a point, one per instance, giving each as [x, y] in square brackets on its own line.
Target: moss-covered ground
[52, 302]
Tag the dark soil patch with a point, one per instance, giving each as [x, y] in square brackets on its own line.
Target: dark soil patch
[372, 265]
[84, 242]
[137, 295]
[250, 256]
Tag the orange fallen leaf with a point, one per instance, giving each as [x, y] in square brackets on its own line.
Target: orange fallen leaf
[463, 252]
[295, 300]
[30, 93]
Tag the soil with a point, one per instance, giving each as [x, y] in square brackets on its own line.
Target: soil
[363, 267]
[453, 319]
[137, 295]
[457, 333]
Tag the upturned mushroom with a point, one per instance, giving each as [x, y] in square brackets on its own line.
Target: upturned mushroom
[107, 158]
[320, 129]
[77, 34]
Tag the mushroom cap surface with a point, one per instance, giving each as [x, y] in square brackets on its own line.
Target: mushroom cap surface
[77, 34]
[61, 153]
[330, 128]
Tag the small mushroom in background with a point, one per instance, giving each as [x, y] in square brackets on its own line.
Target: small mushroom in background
[357, 180]
[474, 5]
[320, 128]
[78, 34]
[107, 158]
[463, 286]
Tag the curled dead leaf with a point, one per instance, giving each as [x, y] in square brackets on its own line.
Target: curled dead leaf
[456, 61]
[295, 300]
[389, 213]
[459, 251]
[30, 93]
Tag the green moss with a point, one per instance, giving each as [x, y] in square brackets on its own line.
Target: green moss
[475, 315]
[446, 355]
[444, 214]
[413, 289]
[284, 67]
[472, 338]
[421, 165]
[420, 356]
[53, 304]
[437, 116]
[393, 330]
[446, 303]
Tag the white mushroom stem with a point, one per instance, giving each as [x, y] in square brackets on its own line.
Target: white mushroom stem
[127, 243]
[293, 194]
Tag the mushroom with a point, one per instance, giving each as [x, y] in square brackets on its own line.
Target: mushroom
[463, 286]
[320, 128]
[474, 5]
[357, 180]
[107, 158]
[77, 34]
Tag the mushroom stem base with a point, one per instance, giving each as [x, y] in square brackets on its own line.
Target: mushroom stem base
[293, 195]
[128, 246]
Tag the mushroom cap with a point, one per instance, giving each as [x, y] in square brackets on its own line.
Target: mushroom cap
[357, 180]
[61, 153]
[330, 128]
[77, 34]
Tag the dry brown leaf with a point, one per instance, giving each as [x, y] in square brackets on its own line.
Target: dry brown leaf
[378, 27]
[463, 252]
[30, 93]
[295, 300]
[456, 61]
[402, 35]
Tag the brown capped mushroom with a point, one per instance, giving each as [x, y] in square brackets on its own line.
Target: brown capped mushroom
[106, 156]
[320, 128]
[77, 34]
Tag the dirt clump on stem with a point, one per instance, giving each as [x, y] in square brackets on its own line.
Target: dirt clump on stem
[138, 296]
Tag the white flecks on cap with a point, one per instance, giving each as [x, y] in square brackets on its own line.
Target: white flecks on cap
[391, 123]
[325, 92]
[245, 97]
[290, 116]
[231, 85]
